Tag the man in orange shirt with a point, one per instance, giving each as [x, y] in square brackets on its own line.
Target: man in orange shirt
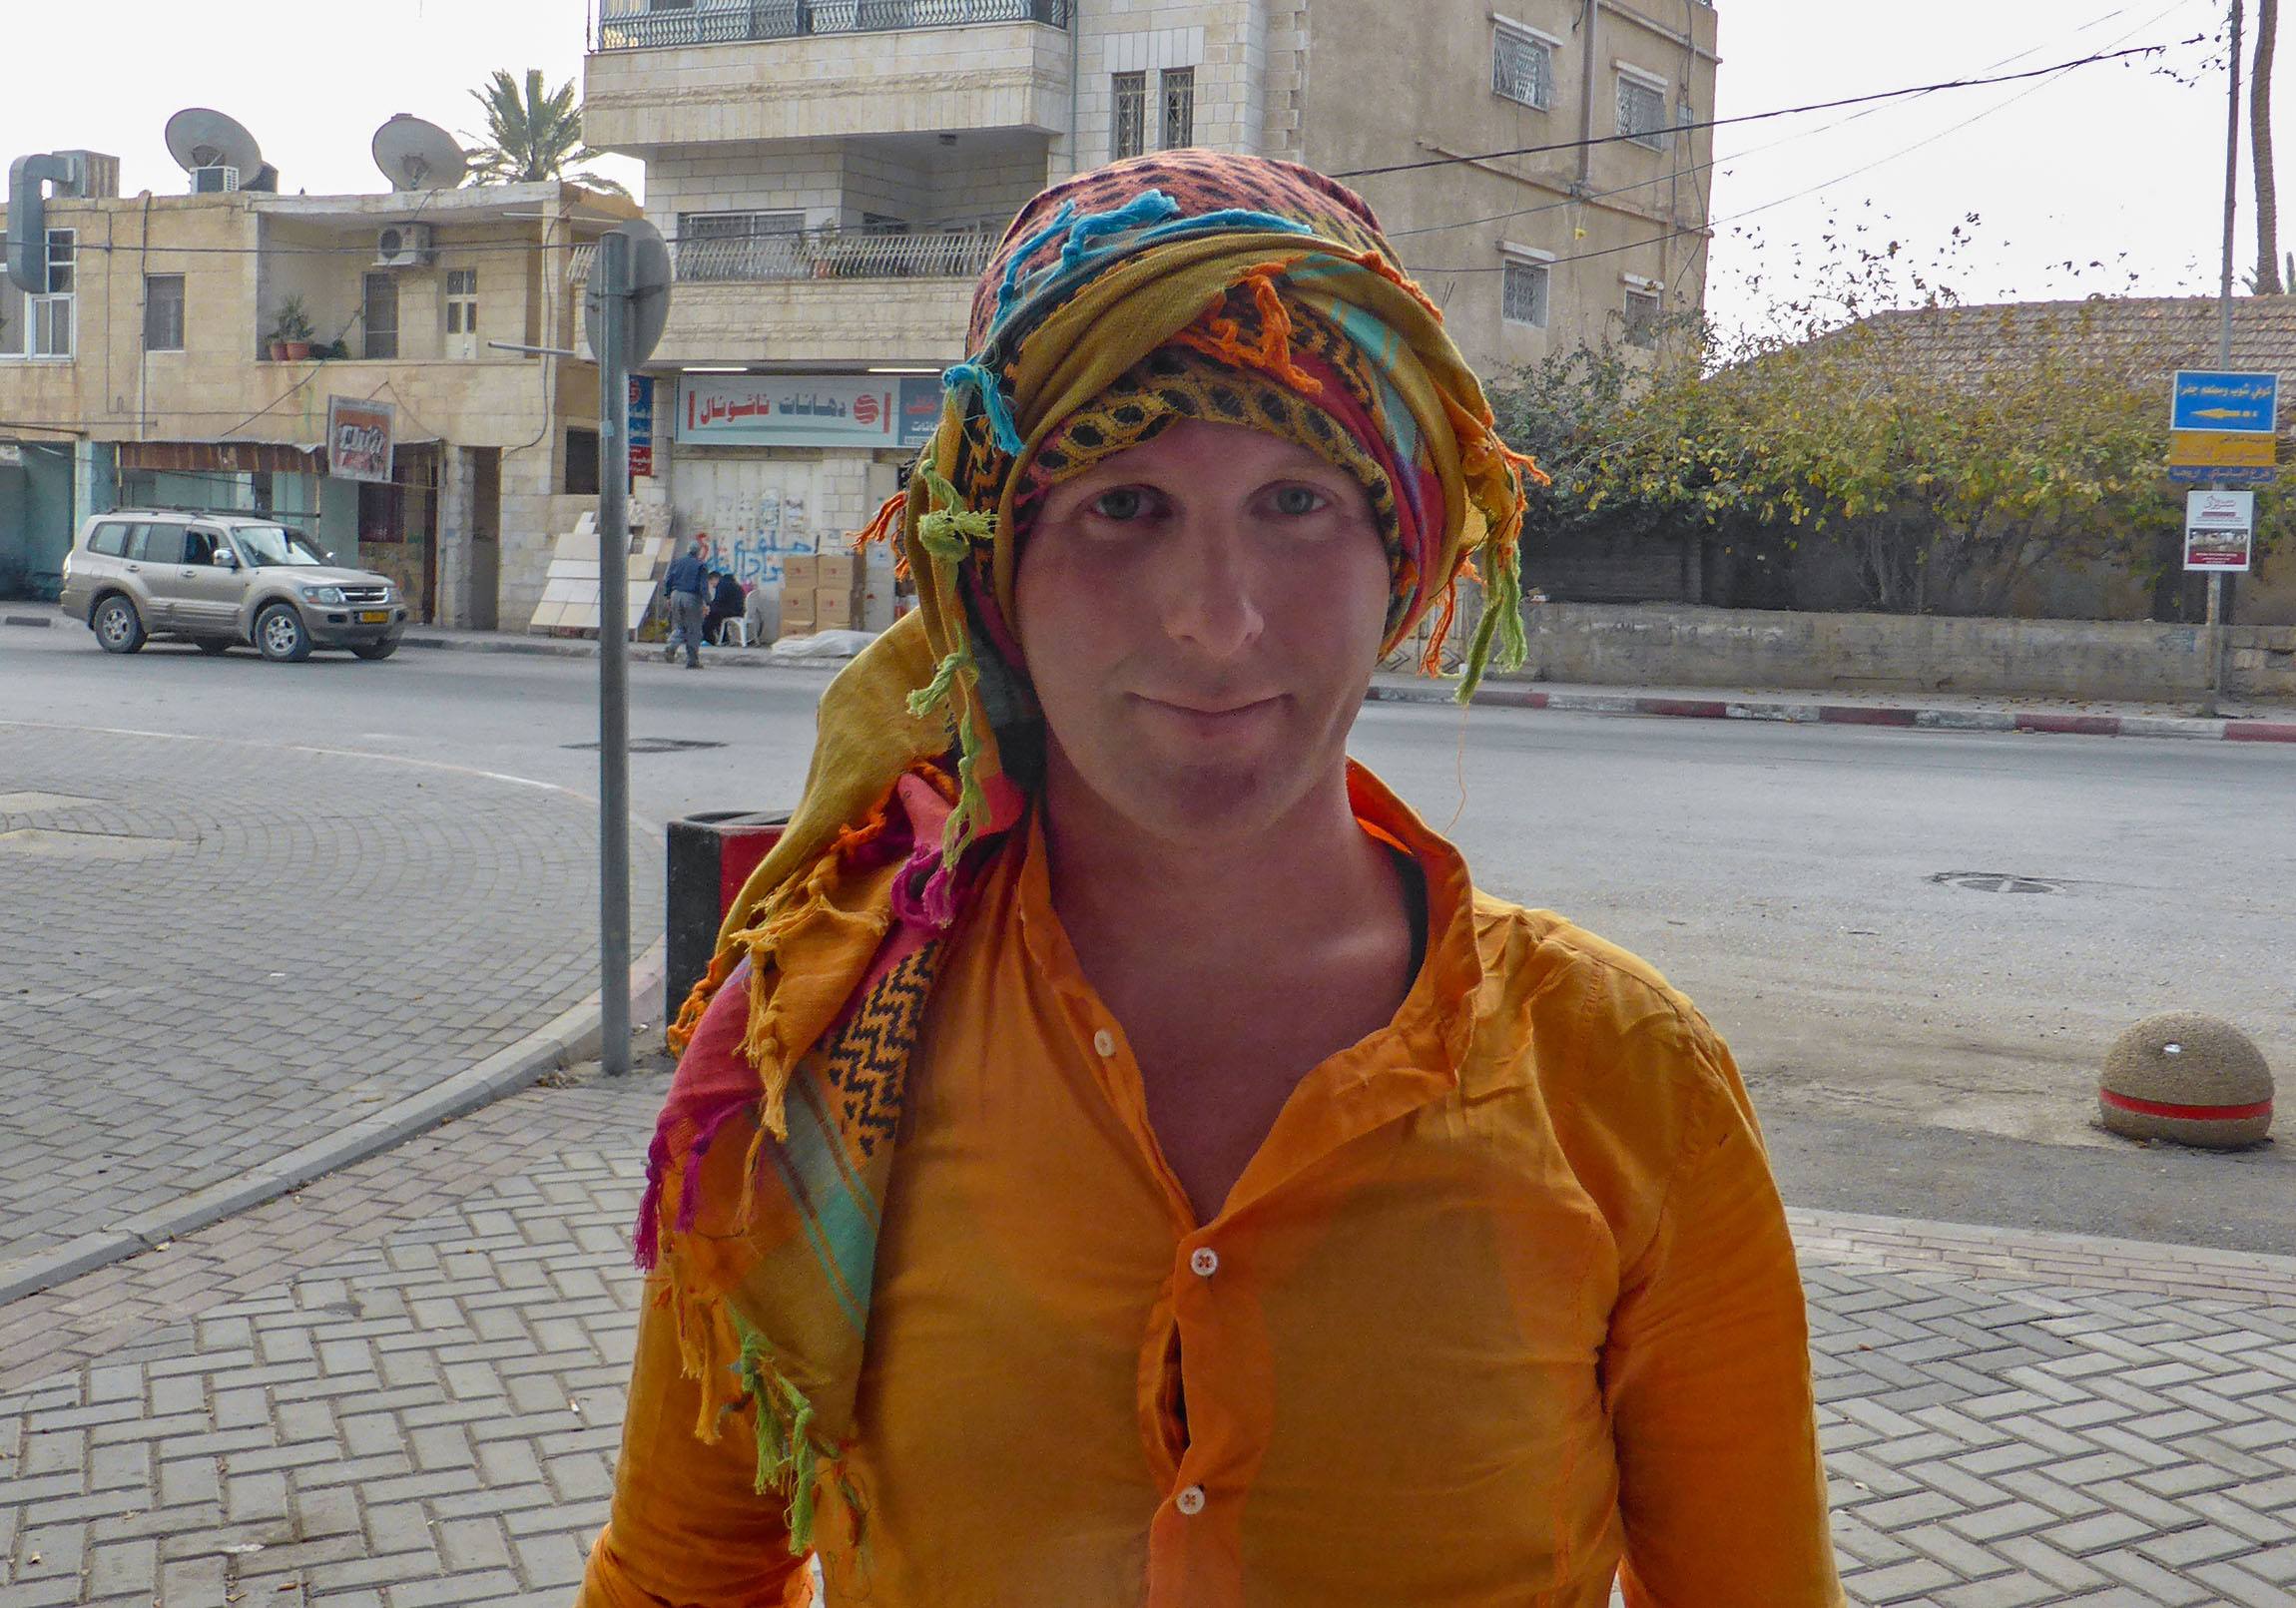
[1118, 1157]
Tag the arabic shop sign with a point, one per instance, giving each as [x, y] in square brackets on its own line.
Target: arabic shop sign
[358, 438]
[856, 410]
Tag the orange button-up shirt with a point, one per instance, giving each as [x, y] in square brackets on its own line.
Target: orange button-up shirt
[1505, 1304]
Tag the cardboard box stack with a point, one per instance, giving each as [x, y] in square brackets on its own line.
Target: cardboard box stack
[797, 579]
[837, 592]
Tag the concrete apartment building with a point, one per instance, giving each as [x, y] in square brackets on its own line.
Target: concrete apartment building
[145, 374]
[832, 173]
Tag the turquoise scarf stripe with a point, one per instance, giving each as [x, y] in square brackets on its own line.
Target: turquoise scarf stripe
[838, 1218]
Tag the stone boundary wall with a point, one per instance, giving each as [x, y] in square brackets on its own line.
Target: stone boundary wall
[1680, 645]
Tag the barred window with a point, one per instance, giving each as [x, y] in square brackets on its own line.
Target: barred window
[1521, 67]
[1523, 296]
[1642, 111]
[162, 312]
[1128, 114]
[1179, 87]
[1642, 317]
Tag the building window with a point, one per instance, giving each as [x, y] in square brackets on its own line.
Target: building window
[51, 326]
[61, 252]
[1128, 114]
[162, 312]
[1521, 67]
[15, 321]
[462, 301]
[581, 462]
[1642, 110]
[41, 326]
[1641, 318]
[378, 315]
[1523, 293]
[1178, 85]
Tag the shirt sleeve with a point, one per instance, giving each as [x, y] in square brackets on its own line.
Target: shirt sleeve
[687, 1526]
[1707, 1378]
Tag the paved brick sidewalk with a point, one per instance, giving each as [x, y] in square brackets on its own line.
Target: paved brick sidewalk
[219, 951]
[430, 1417]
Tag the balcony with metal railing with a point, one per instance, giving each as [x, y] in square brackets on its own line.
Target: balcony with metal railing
[655, 24]
[818, 296]
[740, 72]
[823, 253]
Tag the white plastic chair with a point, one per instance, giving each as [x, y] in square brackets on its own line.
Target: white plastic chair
[732, 630]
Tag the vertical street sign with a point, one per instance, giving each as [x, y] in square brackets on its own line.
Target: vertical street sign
[2222, 427]
[641, 424]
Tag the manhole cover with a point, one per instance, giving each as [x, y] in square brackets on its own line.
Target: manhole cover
[655, 744]
[42, 843]
[1996, 883]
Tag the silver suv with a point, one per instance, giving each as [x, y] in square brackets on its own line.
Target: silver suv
[223, 579]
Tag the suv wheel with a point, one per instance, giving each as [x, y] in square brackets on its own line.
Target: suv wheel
[279, 633]
[119, 628]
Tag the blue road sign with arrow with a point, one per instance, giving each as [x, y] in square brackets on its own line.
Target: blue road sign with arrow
[2240, 405]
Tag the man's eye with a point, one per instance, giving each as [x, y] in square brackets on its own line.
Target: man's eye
[1125, 502]
[1298, 500]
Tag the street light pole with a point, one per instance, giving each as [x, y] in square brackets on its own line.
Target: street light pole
[2216, 632]
[610, 285]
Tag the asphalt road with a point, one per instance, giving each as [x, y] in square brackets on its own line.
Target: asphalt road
[1918, 1043]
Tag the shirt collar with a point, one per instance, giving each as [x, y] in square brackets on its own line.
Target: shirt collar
[1432, 1029]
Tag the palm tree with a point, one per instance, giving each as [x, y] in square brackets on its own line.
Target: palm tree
[2260, 147]
[531, 135]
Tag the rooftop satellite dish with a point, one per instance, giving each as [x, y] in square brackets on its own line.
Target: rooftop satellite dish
[414, 154]
[198, 138]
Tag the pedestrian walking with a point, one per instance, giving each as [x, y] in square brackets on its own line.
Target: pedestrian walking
[1117, 1156]
[687, 583]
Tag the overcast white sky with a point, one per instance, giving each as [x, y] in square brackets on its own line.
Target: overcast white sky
[2102, 161]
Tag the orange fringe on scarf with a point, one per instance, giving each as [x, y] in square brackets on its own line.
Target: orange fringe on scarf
[1223, 338]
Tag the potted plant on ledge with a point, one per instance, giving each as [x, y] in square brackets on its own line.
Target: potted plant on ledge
[291, 333]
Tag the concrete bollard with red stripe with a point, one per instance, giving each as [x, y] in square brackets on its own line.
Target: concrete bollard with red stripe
[710, 857]
[2195, 1079]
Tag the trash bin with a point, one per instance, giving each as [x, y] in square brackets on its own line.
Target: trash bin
[710, 857]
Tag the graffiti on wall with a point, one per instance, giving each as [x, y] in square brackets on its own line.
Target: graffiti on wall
[752, 536]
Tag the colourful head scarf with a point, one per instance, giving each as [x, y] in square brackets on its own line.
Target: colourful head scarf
[1186, 285]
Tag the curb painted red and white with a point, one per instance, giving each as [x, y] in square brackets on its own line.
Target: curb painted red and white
[1794, 712]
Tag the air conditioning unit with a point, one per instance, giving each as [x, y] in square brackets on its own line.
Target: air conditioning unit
[404, 246]
[216, 180]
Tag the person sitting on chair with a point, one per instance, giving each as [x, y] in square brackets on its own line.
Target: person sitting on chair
[726, 603]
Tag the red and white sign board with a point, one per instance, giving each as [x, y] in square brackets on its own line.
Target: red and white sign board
[2219, 531]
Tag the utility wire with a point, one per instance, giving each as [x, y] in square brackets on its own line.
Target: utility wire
[1761, 117]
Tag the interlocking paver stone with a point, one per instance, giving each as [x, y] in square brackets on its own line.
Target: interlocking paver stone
[437, 1341]
[237, 951]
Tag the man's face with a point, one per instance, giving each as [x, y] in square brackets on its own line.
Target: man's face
[1201, 616]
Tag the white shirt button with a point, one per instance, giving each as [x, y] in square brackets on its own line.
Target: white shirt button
[1104, 1043]
[1190, 1501]
[1204, 1262]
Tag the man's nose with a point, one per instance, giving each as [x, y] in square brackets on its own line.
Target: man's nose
[1211, 600]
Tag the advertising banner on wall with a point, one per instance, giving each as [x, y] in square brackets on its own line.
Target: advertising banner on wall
[854, 410]
[358, 436]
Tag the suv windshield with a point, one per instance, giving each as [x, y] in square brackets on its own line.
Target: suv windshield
[270, 544]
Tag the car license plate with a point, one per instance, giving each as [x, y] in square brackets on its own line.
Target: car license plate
[374, 617]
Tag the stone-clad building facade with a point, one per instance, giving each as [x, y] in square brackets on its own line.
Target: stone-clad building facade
[832, 173]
